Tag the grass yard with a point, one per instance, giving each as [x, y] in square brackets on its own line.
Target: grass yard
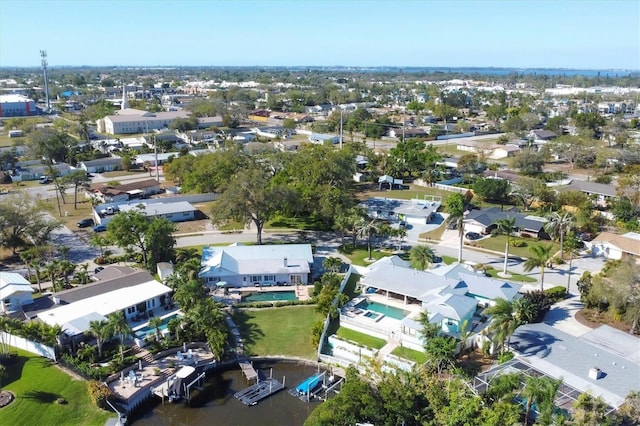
[415, 191]
[514, 276]
[37, 385]
[278, 331]
[449, 259]
[496, 243]
[72, 216]
[410, 354]
[361, 338]
[359, 254]
[435, 235]
[6, 141]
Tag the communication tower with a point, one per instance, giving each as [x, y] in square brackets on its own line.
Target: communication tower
[43, 56]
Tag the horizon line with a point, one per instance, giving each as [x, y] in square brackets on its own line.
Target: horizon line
[330, 66]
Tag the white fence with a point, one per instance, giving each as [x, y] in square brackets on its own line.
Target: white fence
[28, 345]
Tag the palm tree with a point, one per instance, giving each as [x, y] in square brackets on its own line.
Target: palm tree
[504, 321]
[333, 264]
[541, 256]
[558, 226]
[102, 332]
[422, 255]
[455, 207]
[189, 294]
[175, 325]
[119, 325]
[155, 323]
[571, 245]
[367, 228]
[505, 226]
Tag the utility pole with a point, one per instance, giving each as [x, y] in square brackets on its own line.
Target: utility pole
[45, 64]
[155, 151]
[341, 128]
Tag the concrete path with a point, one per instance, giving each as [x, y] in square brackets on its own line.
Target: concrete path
[386, 350]
[562, 316]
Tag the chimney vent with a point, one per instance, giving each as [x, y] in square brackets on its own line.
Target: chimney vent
[595, 373]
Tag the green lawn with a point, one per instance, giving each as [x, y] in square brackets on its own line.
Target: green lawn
[6, 141]
[497, 243]
[410, 354]
[414, 191]
[514, 276]
[37, 385]
[359, 254]
[360, 338]
[435, 235]
[448, 260]
[278, 331]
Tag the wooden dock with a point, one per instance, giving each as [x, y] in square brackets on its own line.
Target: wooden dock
[255, 393]
[247, 369]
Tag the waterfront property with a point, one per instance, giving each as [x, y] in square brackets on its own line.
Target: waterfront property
[394, 295]
[255, 266]
[270, 296]
[15, 292]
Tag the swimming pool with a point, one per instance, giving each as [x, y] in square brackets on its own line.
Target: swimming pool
[386, 310]
[143, 332]
[270, 296]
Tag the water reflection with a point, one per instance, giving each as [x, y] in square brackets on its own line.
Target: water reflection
[217, 406]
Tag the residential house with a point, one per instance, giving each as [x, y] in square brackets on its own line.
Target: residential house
[134, 190]
[15, 292]
[134, 294]
[32, 170]
[320, 139]
[263, 265]
[101, 165]
[604, 362]
[484, 221]
[601, 192]
[416, 211]
[614, 246]
[390, 181]
[394, 296]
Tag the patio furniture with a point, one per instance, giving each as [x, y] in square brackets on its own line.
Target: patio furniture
[179, 356]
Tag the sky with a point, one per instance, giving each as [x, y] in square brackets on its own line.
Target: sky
[581, 34]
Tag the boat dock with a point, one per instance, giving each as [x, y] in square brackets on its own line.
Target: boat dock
[316, 387]
[255, 393]
[247, 369]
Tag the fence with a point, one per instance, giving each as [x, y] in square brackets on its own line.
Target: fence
[327, 321]
[28, 345]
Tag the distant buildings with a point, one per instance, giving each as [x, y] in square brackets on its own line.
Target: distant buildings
[130, 121]
[16, 106]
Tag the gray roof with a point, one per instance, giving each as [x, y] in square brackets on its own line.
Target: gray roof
[406, 281]
[561, 355]
[101, 287]
[591, 188]
[452, 306]
[487, 217]
[102, 161]
[147, 116]
[489, 288]
[157, 209]
[243, 260]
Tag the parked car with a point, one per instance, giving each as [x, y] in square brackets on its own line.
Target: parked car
[44, 179]
[472, 236]
[85, 223]
[100, 228]
[109, 211]
[98, 269]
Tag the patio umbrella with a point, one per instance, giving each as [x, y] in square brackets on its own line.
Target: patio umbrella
[221, 284]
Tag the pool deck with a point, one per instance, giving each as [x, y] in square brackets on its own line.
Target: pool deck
[234, 295]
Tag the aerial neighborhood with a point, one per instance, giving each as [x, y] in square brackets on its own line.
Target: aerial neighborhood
[393, 232]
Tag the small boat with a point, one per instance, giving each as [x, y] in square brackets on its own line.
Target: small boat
[177, 386]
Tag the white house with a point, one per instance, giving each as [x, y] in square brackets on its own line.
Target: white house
[614, 246]
[133, 294]
[101, 165]
[245, 266]
[15, 292]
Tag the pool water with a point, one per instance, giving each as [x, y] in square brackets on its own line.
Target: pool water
[386, 310]
[270, 296]
[143, 332]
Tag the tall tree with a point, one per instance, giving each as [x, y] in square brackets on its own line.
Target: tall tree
[505, 227]
[102, 331]
[541, 255]
[504, 321]
[24, 222]
[250, 197]
[77, 178]
[422, 255]
[558, 225]
[119, 325]
[455, 207]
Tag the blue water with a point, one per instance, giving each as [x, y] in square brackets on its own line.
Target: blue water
[145, 331]
[270, 296]
[386, 310]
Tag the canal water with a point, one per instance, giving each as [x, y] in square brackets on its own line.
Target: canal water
[215, 405]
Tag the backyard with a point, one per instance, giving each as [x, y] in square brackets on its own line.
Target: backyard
[46, 395]
[361, 338]
[283, 331]
[497, 243]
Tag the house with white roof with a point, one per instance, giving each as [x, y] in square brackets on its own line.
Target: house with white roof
[453, 295]
[263, 265]
[15, 292]
[614, 246]
[134, 294]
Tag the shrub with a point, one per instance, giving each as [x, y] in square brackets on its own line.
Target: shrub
[99, 393]
[518, 242]
[557, 260]
[525, 235]
[504, 357]
[541, 304]
[556, 294]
